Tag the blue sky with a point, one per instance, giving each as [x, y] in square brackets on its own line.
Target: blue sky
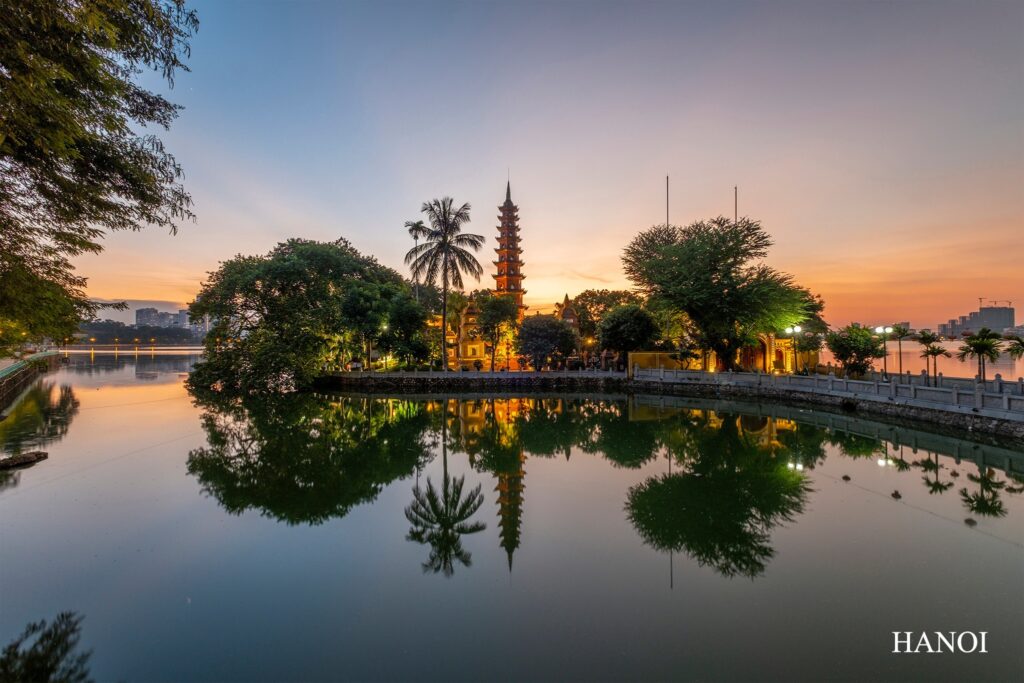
[880, 143]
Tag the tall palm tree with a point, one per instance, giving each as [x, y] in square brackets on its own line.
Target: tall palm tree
[985, 345]
[899, 333]
[934, 352]
[445, 253]
[1015, 346]
[417, 229]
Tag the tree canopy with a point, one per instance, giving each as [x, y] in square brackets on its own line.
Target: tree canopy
[592, 304]
[855, 347]
[628, 328]
[543, 336]
[76, 158]
[711, 272]
[278, 319]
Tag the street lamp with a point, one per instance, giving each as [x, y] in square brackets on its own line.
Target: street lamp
[885, 332]
[792, 332]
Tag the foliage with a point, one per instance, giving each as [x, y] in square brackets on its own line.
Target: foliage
[984, 345]
[279, 319]
[405, 336]
[855, 347]
[41, 416]
[592, 304]
[543, 336]
[75, 161]
[303, 459]
[46, 652]
[628, 328]
[445, 251]
[932, 353]
[709, 270]
[1015, 346]
[34, 307]
[497, 315]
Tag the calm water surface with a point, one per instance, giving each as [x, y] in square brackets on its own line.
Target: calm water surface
[481, 538]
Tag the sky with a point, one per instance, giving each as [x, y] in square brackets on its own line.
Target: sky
[881, 144]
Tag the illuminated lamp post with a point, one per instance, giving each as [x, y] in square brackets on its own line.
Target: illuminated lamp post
[885, 332]
[792, 332]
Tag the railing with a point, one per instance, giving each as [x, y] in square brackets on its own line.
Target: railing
[478, 374]
[994, 399]
[15, 376]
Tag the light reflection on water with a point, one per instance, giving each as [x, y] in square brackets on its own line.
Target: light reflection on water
[326, 537]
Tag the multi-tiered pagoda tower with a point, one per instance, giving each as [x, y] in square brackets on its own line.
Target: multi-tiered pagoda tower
[509, 275]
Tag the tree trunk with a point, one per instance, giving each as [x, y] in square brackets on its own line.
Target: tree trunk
[899, 350]
[444, 322]
[494, 348]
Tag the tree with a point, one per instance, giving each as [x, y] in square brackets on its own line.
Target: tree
[899, 333]
[933, 352]
[73, 165]
[497, 315]
[855, 347]
[406, 325]
[628, 328]
[985, 345]
[541, 336]
[592, 304]
[709, 270]
[51, 654]
[417, 229]
[444, 253]
[1015, 346]
[289, 314]
[456, 311]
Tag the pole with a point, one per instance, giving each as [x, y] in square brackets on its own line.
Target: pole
[885, 357]
[735, 203]
[666, 202]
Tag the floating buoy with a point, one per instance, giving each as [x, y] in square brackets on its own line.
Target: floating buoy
[896, 495]
[846, 477]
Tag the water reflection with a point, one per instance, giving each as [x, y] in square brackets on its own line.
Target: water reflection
[303, 459]
[41, 416]
[722, 507]
[47, 652]
[732, 475]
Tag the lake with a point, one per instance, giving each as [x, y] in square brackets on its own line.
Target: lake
[329, 537]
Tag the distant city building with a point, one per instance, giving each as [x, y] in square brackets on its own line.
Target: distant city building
[996, 318]
[147, 316]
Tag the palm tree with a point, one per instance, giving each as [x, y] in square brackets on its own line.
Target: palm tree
[899, 333]
[984, 345]
[445, 253]
[417, 229]
[934, 352]
[1015, 346]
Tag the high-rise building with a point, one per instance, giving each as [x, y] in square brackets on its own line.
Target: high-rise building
[147, 316]
[509, 276]
[995, 318]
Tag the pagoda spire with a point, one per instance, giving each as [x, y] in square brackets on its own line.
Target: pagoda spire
[508, 273]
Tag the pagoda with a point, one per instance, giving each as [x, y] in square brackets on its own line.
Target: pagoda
[509, 274]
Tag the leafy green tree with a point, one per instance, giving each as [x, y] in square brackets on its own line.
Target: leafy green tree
[899, 333]
[445, 252]
[47, 652]
[73, 164]
[406, 329]
[984, 345]
[497, 315]
[855, 348]
[542, 336]
[628, 328]
[592, 304]
[288, 313]
[711, 271]
[364, 308]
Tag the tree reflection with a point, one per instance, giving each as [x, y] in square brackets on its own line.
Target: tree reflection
[47, 652]
[722, 507]
[986, 501]
[441, 520]
[42, 416]
[304, 458]
[931, 466]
